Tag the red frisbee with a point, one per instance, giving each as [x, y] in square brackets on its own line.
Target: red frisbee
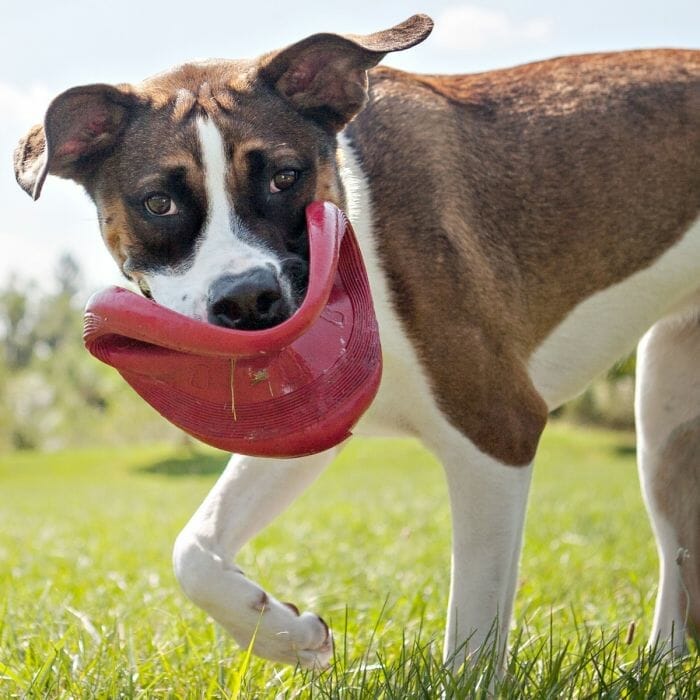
[286, 391]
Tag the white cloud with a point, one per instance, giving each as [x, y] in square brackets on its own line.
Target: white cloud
[474, 28]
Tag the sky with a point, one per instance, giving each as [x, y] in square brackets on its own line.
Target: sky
[47, 46]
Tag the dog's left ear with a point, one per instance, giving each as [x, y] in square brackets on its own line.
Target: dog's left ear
[325, 76]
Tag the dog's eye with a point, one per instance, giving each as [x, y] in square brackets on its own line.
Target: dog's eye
[160, 205]
[283, 180]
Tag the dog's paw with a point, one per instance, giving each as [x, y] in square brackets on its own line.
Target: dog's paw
[283, 634]
[278, 631]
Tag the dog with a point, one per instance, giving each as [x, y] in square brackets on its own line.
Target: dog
[522, 229]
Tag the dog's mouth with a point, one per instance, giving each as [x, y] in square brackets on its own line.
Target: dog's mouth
[296, 271]
[286, 391]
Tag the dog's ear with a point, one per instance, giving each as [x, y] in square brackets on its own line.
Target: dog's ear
[79, 126]
[325, 76]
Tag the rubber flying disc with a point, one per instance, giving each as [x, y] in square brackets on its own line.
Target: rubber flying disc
[286, 391]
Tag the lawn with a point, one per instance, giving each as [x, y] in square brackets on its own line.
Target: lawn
[90, 607]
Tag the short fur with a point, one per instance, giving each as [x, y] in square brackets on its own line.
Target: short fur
[503, 216]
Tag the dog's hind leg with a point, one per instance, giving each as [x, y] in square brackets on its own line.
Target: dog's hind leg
[247, 496]
[488, 502]
[668, 427]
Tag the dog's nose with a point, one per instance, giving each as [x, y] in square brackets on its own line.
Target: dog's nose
[249, 301]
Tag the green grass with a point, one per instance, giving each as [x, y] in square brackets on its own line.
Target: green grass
[89, 606]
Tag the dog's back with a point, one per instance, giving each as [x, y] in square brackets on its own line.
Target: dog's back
[579, 169]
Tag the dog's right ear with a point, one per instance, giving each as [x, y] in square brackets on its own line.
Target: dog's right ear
[80, 125]
[325, 75]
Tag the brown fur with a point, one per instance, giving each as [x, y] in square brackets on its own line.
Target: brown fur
[117, 232]
[520, 193]
[328, 186]
[28, 157]
[210, 84]
[324, 76]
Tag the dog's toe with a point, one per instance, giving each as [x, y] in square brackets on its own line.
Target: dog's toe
[291, 637]
[320, 655]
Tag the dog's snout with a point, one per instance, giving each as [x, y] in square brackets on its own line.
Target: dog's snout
[248, 301]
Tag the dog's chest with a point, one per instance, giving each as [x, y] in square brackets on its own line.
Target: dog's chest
[404, 404]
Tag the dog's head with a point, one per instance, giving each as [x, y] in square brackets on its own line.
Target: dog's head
[201, 175]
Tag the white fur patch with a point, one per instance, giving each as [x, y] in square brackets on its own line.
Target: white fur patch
[667, 395]
[609, 323]
[404, 404]
[225, 246]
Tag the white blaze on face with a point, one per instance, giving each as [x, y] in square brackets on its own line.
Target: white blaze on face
[225, 246]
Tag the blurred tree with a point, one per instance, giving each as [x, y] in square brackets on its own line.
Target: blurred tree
[16, 327]
[68, 276]
[57, 315]
[52, 392]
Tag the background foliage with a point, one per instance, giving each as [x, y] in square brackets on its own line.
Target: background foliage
[53, 394]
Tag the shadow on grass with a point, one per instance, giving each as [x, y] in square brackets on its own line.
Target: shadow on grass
[191, 464]
[625, 449]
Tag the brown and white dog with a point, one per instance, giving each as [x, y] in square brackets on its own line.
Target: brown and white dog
[522, 229]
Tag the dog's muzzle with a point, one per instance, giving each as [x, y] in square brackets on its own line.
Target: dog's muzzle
[252, 300]
[284, 391]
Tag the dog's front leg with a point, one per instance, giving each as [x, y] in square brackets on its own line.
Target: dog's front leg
[247, 496]
[488, 502]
